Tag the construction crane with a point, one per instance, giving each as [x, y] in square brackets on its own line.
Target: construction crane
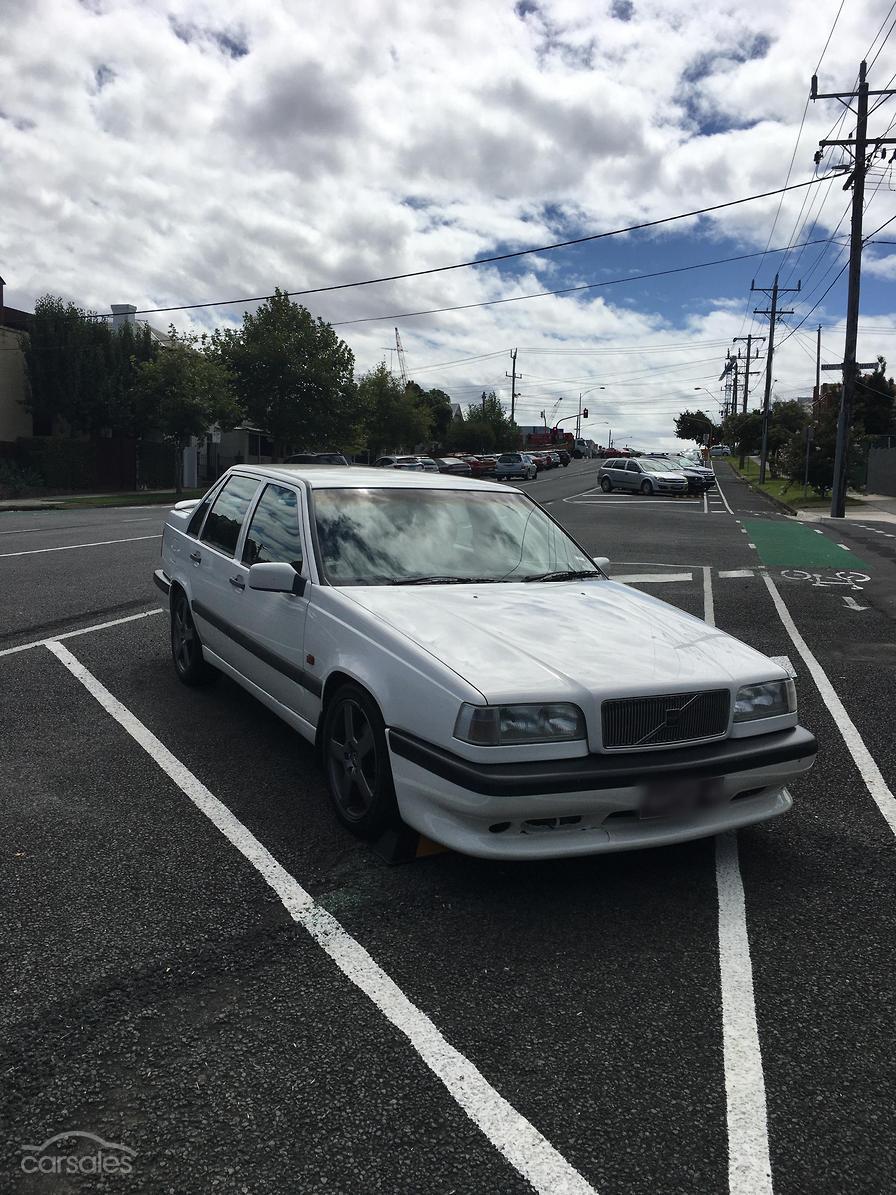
[402, 364]
[555, 410]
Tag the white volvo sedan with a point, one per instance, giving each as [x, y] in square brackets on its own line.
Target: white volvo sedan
[465, 666]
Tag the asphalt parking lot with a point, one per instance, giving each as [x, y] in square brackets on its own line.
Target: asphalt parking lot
[207, 970]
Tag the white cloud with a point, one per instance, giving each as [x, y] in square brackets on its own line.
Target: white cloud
[172, 152]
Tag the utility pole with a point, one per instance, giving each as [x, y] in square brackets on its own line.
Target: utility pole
[774, 315]
[747, 371]
[859, 146]
[734, 383]
[817, 397]
[512, 377]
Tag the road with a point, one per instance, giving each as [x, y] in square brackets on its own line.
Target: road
[665, 1021]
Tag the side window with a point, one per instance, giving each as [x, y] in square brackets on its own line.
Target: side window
[274, 536]
[633, 467]
[199, 514]
[222, 527]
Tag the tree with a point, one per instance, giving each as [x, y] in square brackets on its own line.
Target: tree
[437, 404]
[694, 425]
[744, 432]
[182, 393]
[485, 429]
[390, 417]
[293, 375]
[81, 370]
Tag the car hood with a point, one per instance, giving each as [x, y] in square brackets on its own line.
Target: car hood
[552, 639]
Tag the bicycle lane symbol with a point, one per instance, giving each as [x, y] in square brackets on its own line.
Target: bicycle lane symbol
[842, 578]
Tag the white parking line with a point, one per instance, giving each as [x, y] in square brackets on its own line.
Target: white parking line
[97, 626]
[650, 578]
[737, 572]
[749, 1165]
[511, 1134]
[864, 761]
[100, 543]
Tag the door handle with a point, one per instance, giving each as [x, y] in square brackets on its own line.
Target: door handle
[237, 582]
[195, 557]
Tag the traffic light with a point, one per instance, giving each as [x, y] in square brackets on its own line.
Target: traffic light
[585, 413]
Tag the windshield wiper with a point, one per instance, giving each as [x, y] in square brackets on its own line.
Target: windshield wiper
[569, 574]
[437, 580]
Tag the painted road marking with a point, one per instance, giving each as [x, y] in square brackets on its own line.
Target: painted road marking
[784, 544]
[721, 493]
[843, 546]
[650, 578]
[100, 543]
[97, 626]
[864, 761]
[753, 546]
[749, 1165]
[737, 572]
[852, 603]
[511, 1134]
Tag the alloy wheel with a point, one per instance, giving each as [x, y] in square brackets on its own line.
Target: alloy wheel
[352, 760]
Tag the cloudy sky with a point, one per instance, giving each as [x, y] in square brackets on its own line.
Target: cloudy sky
[182, 152]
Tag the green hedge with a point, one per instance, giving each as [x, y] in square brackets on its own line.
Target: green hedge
[62, 463]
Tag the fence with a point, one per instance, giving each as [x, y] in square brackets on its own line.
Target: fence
[882, 470]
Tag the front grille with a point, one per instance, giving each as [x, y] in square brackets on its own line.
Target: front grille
[670, 718]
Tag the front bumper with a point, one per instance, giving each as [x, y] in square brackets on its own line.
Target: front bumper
[162, 581]
[592, 804]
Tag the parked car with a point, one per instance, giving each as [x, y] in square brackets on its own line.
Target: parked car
[720, 450]
[516, 464]
[643, 475]
[316, 458]
[480, 466]
[699, 477]
[529, 744]
[564, 457]
[541, 460]
[454, 465]
[408, 464]
[555, 460]
[429, 465]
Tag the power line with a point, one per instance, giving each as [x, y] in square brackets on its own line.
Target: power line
[481, 261]
[567, 290]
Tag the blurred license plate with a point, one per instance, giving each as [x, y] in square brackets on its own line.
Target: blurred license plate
[672, 798]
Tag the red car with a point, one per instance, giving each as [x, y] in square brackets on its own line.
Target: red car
[480, 466]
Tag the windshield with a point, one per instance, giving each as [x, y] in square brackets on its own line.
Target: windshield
[382, 536]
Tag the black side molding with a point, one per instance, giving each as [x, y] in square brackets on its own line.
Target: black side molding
[605, 771]
[263, 653]
[162, 581]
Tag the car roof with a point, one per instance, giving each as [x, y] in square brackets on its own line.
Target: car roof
[364, 477]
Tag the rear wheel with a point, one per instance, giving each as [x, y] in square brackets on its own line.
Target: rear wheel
[356, 758]
[646, 486]
[186, 646]
[606, 485]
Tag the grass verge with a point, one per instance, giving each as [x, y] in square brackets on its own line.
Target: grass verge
[131, 499]
[781, 489]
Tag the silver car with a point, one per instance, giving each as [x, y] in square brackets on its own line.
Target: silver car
[641, 476]
[516, 464]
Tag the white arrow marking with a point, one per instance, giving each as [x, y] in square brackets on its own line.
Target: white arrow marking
[852, 603]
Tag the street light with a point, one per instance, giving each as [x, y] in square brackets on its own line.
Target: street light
[582, 394]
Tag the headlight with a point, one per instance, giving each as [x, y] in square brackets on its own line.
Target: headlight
[771, 700]
[500, 725]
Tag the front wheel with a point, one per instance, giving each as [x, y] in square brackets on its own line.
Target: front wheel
[186, 647]
[532, 474]
[359, 776]
[606, 485]
[646, 487]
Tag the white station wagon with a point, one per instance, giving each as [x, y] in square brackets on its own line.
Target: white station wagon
[466, 667]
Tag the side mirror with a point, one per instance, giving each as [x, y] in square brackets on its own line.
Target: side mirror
[602, 562]
[276, 578]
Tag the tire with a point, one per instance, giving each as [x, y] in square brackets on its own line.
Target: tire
[606, 485]
[186, 646]
[356, 763]
[646, 487]
[532, 474]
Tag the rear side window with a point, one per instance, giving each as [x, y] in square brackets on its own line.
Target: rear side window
[199, 514]
[274, 536]
[222, 527]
